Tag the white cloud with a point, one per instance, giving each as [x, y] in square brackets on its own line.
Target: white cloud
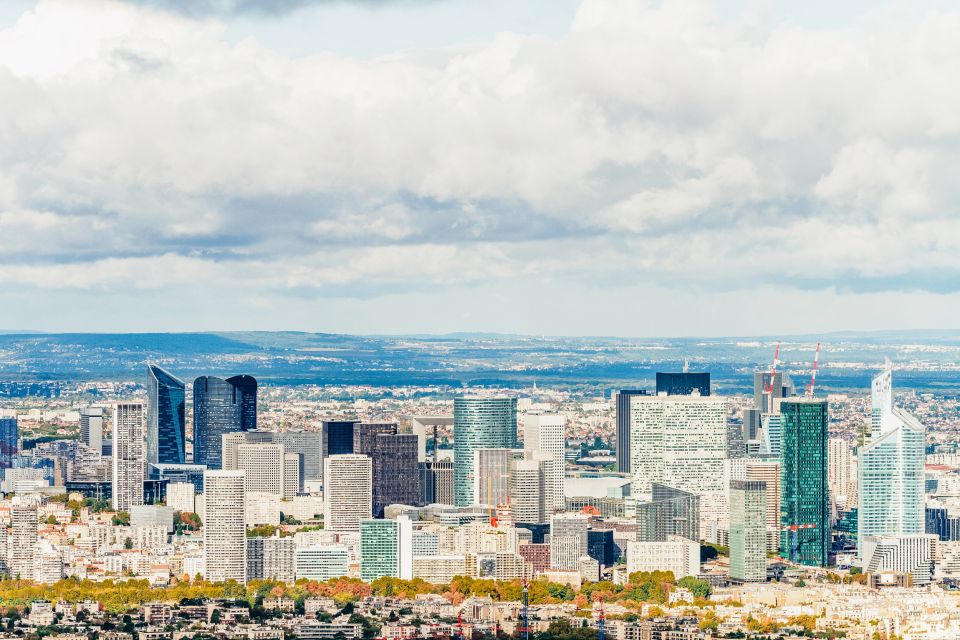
[139, 149]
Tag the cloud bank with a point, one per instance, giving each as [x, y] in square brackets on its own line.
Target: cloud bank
[141, 150]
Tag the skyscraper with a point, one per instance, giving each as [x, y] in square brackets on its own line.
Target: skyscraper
[546, 433]
[804, 500]
[479, 423]
[347, 491]
[748, 531]
[621, 405]
[337, 437]
[9, 436]
[23, 541]
[891, 469]
[91, 427]
[264, 467]
[681, 442]
[841, 474]
[568, 540]
[379, 549]
[219, 407]
[224, 526]
[309, 444]
[491, 476]
[394, 471]
[166, 440]
[436, 482]
[683, 383]
[129, 455]
[527, 487]
[670, 512]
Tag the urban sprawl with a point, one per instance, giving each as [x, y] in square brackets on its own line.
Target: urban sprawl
[166, 510]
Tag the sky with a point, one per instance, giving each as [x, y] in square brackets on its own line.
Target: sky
[547, 167]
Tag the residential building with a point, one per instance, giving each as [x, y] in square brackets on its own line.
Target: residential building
[676, 554]
[129, 455]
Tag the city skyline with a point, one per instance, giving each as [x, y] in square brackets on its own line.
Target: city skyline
[342, 166]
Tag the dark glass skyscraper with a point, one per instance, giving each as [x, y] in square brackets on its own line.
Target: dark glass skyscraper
[683, 383]
[338, 437]
[804, 498]
[622, 402]
[166, 440]
[219, 407]
[9, 436]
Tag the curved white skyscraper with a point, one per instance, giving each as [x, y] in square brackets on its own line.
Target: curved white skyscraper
[890, 468]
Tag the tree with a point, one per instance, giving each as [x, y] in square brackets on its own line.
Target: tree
[51, 519]
[699, 588]
[215, 617]
[128, 543]
[121, 519]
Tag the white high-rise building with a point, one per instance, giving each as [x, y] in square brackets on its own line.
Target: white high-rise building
[91, 427]
[546, 433]
[568, 540]
[840, 472]
[491, 478]
[23, 541]
[681, 441]
[224, 526]
[527, 490]
[890, 469]
[263, 464]
[129, 455]
[347, 491]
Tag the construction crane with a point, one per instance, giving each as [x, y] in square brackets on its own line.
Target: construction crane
[794, 530]
[773, 370]
[813, 375]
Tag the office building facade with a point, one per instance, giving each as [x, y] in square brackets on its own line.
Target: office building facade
[748, 531]
[129, 455]
[670, 512]
[479, 423]
[683, 383]
[91, 427]
[621, 405]
[546, 433]
[804, 492]
[166, 429]
[9, 439]
[224, 526]
[337, 437]
[347, 491]
[219, 407]
[891, 469]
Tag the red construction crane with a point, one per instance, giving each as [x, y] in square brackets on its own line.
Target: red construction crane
[813, 375]
[773, 369]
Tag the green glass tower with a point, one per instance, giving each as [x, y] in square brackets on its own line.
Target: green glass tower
[479, 423]
[804, 502]
[379, 549]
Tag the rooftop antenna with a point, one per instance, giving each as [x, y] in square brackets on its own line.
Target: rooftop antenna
[601, 623]
[525, 612]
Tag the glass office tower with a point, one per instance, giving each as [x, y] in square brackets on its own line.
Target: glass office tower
[805, 498]
[9, 437]
[219, 407]
[166, 443]
[891, 469]
[479, 423]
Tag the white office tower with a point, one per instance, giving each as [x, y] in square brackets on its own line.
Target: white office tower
[224, 527]
[322, 561]
[681, 441]
[676, 554]
[181, 496]
[890, 469]
[748, 531]
[840, 473]
[568, 540]
[23, 541]
[292, 474]
[547, 433]
[263, 464]
[491, 478]
[91, 427]
[907, 555]
[347, 491]
[129, 455]
[528, 479]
